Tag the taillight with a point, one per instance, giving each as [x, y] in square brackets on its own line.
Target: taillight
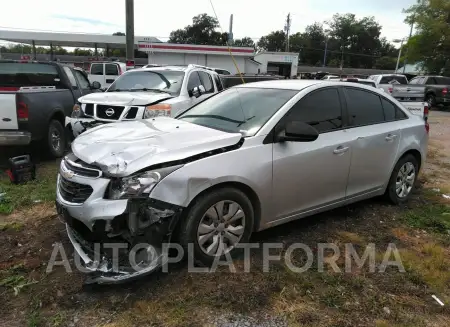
[390, 90]
[120, 70]
[9, 88]
[22, 111]
[425, 117]
[444, 91]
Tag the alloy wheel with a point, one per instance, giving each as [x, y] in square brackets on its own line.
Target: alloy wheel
[405, 180]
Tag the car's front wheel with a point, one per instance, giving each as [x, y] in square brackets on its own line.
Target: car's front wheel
[216, 224]
[402, 179]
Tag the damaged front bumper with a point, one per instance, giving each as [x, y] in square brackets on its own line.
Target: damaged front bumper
[77, 126]
[115, 240]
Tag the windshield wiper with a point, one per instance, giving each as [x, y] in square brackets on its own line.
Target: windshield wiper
[117, 90]
[146, 89]
[215, 117]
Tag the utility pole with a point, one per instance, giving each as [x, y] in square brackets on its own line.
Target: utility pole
[287, 29]
[405, 62]
[129, 31]
[230, 33]
[325, 54]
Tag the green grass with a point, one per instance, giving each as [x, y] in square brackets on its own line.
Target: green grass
[432, 216]
[42, 189]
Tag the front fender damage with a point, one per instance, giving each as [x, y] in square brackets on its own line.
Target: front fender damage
[77, 126]
[130, 245]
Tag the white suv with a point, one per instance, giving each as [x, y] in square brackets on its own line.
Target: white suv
[145, 93]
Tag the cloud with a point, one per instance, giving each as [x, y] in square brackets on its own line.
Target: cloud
[84, 20]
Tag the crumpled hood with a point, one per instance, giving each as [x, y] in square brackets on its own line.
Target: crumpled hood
[126, 147]
[124, 98]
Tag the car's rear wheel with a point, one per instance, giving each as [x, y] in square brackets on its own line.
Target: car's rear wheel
[56, 139]
[402, 179]
[216, 224]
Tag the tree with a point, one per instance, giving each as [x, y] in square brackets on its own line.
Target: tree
[244, 42]
[359, 37]
[275, 41]
[82, 52]
[119, 34]
[202, 31]
[430, 46]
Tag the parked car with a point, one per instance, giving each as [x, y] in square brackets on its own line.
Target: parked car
[35, 97]
[249, 158]
[436, 89]
[106, 72]
[387, 81]
[368, 82]
[328, 77]
[145, 93]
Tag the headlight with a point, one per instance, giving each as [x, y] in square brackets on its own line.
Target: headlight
[76, 111]
[138, 185]
[156, 110]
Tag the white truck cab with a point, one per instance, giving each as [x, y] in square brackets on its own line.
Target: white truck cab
[145, 93]
[106, 72]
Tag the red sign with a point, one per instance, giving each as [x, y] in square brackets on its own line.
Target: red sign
[25, 57]
[130, 63]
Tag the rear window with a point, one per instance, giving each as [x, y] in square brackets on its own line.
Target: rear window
[442, 80]
[394, 80]
[28, 74]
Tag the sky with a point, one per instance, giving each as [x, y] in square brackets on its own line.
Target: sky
[158, 18]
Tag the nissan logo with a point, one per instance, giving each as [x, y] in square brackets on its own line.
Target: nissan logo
[109, 112]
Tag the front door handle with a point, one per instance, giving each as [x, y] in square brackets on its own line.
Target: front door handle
[390, 137]
[340, 149]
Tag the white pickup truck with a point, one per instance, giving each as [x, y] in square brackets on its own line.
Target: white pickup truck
[145, 93]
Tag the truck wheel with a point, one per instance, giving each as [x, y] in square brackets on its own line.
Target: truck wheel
[56, 139]
[431, 99]
[216, 224]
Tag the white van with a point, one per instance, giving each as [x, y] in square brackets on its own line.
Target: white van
[106, 72]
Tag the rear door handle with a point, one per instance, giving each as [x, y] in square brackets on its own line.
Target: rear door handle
[390, 137]
[340, 149]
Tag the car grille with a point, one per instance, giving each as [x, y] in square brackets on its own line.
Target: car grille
[103, 112]
[81, 168]
[89, 109]
[74, 192]
[132, 113]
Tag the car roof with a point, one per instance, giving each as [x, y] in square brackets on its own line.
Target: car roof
[283, 84]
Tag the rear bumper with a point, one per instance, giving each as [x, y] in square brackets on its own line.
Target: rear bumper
[14, 138]
[441, 100]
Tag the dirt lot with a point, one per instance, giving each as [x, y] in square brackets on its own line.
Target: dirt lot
[420, 230]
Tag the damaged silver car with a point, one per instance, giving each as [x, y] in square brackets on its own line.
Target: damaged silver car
[249, 158]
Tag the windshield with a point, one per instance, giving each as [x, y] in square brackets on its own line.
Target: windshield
[238, 109]
[169, 81]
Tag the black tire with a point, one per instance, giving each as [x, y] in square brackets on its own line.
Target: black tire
[391, 193]
[431, 99]
[189, 225]
[56, 130]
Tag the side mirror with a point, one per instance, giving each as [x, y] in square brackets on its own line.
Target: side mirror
[197, 91]
[96, 85]
[297, 131]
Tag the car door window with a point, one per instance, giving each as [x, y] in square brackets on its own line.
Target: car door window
[111, 70]
[442, 80]
[218, 83]
[414, 80]
[321, 109]
[364, 108]
[72, 79]
[207, 82]
[84, 83]
[97, 69]
[430, 81]
[194, 80]
[391, 111]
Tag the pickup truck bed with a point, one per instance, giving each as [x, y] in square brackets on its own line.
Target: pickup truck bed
[34, 100]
